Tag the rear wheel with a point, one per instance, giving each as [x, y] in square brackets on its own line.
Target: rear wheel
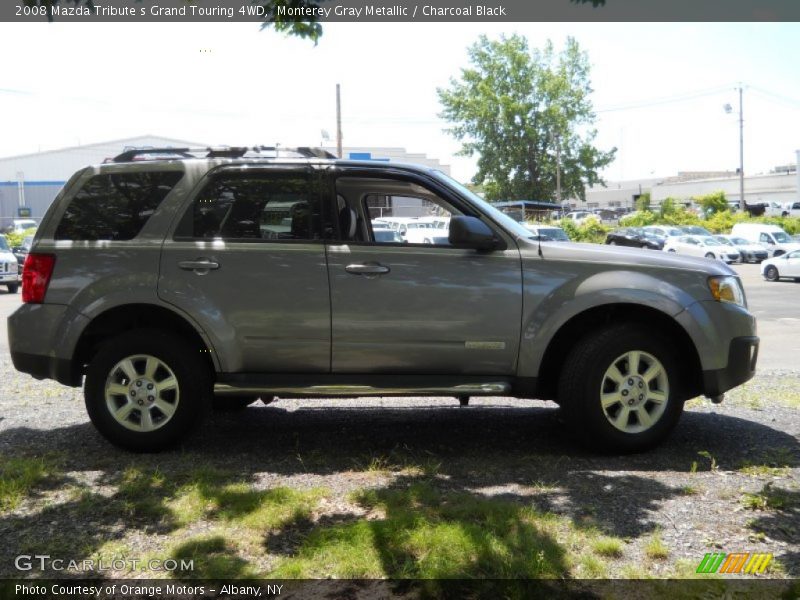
[619, 389]
[771, 273]
[12, 288]
[145, 390]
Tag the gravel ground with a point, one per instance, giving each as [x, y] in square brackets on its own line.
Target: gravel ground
[690, 492]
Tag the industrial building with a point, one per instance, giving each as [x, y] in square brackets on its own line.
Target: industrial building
[30, 182]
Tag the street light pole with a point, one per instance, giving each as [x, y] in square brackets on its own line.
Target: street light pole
[742, 203]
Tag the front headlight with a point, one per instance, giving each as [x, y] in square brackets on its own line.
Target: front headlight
[726, 288]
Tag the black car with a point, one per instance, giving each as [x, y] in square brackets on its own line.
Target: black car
[635, 237]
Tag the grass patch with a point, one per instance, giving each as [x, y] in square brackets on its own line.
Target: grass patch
[770, 498]
[209, 496]
[608, 547]
[18, 476]
[784, 391]
[774, 463]
[655, 548]
[428, 533]
[689, 490]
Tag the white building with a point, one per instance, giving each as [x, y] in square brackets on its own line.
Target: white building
[30, 182]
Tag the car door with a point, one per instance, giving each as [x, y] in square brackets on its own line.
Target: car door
[247, 263]
[792, 268]
[418, 308]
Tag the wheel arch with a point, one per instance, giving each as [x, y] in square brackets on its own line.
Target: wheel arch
[599, 317]
[128, 317]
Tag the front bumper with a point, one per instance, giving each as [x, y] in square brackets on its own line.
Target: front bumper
[742, 358]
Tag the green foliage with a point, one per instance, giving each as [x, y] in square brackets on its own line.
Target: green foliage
[643, 202]
[640, 218]
[668, 207]
[713, 203]
[15, 239]
[518, 109]
[591, 230]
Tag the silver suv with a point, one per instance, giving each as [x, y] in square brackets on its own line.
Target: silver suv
[170, 279]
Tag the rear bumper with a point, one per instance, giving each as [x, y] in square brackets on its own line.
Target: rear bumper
[742, 358]
[46, 367]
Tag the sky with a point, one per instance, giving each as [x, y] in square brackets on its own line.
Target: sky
[659, 89]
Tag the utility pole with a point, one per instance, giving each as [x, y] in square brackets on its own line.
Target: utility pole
[338, 122]
[558, 169]
[741, 151]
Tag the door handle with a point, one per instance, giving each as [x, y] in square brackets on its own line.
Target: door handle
[367, 269]
[201, 264]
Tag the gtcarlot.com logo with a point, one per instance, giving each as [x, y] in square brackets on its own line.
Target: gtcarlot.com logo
[737, 562]
[45, 562]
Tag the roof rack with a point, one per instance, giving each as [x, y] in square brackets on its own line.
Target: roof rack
[137, 154]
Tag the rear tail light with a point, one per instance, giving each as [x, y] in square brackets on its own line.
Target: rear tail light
[36, 277]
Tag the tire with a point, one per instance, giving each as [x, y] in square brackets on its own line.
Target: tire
[771, 273]
[587, 374]
[612, 243]
[234, 403]
[12, 288]
[710, 255]
[152, 358]
[672, 250]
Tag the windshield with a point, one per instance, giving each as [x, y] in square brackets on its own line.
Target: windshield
[740, 241]
[507, 222]
[781, 237]
[710, 242]
[725, 241]
[3, 244]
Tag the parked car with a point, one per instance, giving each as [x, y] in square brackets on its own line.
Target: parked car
[695, 230]
[665, 231]
[172, 295]
[786, 265]
[771, 237]
[9, 267]
[749, 251]
[697, 245]
[387, 236]
[635, 237]
[547, 233]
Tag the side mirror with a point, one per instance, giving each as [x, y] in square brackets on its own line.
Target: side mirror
[472, 233]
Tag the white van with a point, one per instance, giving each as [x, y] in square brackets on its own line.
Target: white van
[772, 237]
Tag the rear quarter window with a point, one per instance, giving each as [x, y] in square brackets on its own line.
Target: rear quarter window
[115, 206]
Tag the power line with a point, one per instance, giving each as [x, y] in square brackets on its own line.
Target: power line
[667, 99]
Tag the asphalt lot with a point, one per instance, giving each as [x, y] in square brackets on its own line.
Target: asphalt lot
[776, 305]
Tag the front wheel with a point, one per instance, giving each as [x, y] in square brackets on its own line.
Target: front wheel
[771, 273]
[145, 390]
[710, 255]
[620, 389]
[12, 288]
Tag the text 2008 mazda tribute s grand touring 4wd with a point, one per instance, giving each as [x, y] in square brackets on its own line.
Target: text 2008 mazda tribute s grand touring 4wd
[168, 279]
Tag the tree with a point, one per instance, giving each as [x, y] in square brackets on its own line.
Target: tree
[713, 203]
[525, 113]
[643, 201]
